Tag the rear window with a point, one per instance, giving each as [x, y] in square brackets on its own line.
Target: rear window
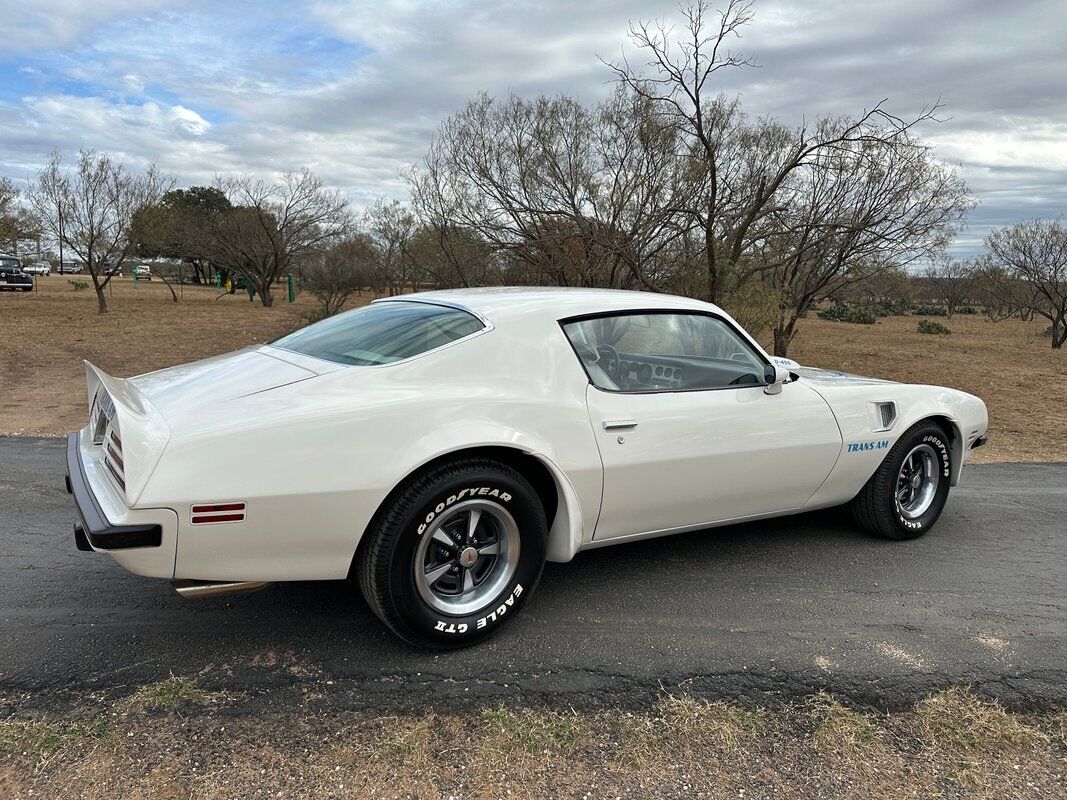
[382, 333]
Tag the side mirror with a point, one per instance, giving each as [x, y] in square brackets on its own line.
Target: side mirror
[774, 377]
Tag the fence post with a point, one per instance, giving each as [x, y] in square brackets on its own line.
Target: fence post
[292, 294]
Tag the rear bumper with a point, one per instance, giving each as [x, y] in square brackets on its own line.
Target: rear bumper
[94, 528]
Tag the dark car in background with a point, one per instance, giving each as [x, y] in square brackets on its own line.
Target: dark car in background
[11, 275]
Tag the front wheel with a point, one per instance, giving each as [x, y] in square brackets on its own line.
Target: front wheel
[455, 554]
[905, 496]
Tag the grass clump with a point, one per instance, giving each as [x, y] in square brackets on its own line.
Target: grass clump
[838, 727]
[929, 326]
[43, 738]
[79, 285]
[958, 720]
[533, 731]
[406, 742]
[687, 726]
[169, 694]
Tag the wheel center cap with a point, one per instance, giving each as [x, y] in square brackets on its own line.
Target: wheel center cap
[916, 480]
[467, 557]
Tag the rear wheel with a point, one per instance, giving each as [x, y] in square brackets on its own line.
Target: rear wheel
[905, 496]
[455, 554]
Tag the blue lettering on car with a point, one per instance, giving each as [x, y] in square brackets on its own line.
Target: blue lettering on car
[859, 447]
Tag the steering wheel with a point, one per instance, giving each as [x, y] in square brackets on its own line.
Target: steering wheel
[614, 365]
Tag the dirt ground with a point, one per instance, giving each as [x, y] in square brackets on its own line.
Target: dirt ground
[174, 740]
[48, 333]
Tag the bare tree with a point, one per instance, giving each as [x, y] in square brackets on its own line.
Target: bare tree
[450, 256]
[566, 194]
[342, 270]
[951, 281]
[272, 226]
[17, 223]
[390, 226]
[1026, 268]
[854, 211]
[743, 168]
[91, 210]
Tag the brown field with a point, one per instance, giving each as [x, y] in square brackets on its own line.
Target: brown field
[176, 740]
[47, 334]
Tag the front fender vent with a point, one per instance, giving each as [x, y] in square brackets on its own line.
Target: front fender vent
[887, 413]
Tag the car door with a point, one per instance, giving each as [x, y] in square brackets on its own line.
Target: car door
[687, 433]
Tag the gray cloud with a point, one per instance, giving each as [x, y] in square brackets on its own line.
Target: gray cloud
[200, 95]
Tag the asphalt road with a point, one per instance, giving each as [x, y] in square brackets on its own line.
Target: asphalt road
[762, 611]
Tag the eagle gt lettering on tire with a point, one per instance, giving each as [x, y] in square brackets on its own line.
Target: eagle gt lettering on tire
[455, 553]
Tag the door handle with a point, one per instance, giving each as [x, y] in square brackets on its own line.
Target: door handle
[619, 424]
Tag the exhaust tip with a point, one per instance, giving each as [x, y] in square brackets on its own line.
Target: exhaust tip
[197, 590]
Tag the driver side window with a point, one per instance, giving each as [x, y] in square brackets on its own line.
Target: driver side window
[667, 351]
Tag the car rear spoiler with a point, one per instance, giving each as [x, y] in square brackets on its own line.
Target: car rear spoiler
[143, 430]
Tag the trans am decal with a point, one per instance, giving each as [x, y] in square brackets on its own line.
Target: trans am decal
[859, 447]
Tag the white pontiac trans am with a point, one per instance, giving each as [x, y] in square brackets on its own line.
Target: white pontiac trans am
[442, 446]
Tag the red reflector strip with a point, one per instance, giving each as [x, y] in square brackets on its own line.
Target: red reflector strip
[115, 474]
[219, 518]
[218, 512]
[219, 507]
[116, 458]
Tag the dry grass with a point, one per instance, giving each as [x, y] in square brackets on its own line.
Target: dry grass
[960, 722]
[48, 334]
[953, 744]
[839, 728]
[169, 694]
[1022, 380]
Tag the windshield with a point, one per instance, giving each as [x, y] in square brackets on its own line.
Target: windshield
[382, 333]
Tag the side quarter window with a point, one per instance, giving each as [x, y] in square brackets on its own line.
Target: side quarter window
[663, 351]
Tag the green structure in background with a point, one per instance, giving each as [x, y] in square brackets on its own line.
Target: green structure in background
[292, 291]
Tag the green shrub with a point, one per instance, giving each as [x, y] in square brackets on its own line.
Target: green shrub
[843, 313]
[79, 285]
[966, 310]
[929, 326]
[1047, 333]
[930, 311]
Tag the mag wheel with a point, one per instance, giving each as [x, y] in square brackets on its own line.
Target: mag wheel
[455, 553]
[906, 494]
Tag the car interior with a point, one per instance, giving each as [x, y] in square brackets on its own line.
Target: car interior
[616, 369]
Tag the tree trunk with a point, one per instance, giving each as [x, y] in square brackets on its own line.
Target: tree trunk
[101, 299]
[1059, 333]
[783, 336]
[265, 296]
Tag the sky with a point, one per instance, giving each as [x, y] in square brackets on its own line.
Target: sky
[354, 89]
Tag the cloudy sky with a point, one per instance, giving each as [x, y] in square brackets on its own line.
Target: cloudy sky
[354, 88]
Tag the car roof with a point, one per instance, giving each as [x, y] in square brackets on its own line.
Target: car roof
[503, 302]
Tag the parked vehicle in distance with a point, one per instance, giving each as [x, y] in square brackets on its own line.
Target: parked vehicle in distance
[440, 447]
[42, 268]
[11, 275]
[143, 272]
[114, 270]
[72, 268]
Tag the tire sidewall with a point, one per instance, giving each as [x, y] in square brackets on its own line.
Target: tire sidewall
[935, 437]
[446, 630]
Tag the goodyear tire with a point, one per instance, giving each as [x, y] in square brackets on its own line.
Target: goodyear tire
[455, 553]
[905, 496]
